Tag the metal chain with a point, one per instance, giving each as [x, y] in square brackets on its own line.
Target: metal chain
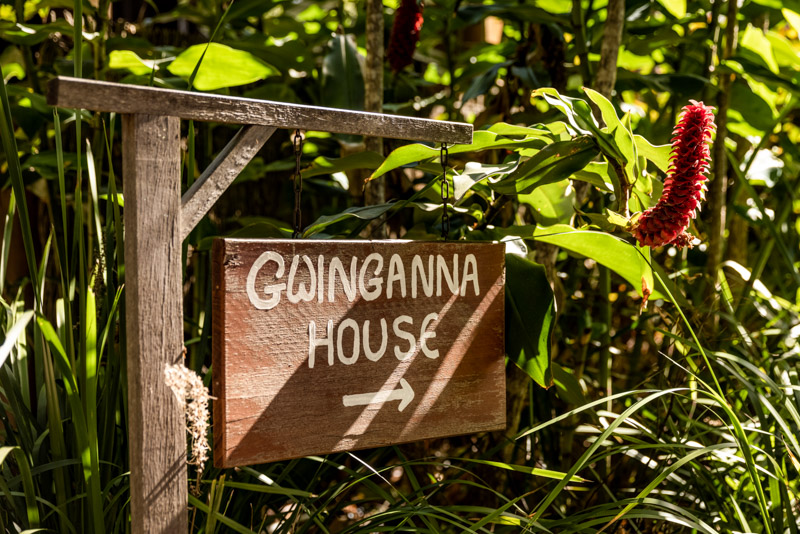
[445, 192]
[297, 143]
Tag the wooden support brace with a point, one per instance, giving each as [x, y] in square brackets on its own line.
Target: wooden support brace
[204, 192]
[151, 168]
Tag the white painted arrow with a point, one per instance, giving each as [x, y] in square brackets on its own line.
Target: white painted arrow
[405, 395]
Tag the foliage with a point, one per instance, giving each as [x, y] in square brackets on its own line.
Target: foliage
[671, 393]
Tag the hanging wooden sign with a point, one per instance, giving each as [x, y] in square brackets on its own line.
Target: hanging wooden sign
[326, 346]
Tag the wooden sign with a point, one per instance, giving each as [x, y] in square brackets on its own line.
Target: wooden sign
[326, 346]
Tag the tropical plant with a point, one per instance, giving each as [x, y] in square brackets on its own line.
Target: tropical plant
[650, 390]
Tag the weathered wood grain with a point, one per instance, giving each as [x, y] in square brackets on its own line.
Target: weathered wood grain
[273, 405]
[124, 98]
[205, 191]
[154, 322]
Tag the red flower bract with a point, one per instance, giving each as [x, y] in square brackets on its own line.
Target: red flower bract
[405, 34]
[667, 221]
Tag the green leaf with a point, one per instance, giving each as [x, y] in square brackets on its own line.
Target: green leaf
[580, 117]
[793, 18]
[676, 8]
[230, 523]
[756, 42]
[342, 80]
[530, 318]
[475, 173]
[481, 140]
[596, 173]
[359, 160]
[622, 137]
[567, 386]
[481, 84]
[553, 163]
[32, 510]
[128, 59]
[11, 336]
[13, 63]
[222, 66]
[658, 154]
[535, 471]
[551, 203]
[625, 259]
[365, 213]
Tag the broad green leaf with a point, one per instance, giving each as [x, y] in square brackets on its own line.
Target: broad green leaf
[530, 318]
[481, 84]
[222, 66]
[342, 80]
[622, 137]
[504, 128]
[481, 140]
[567, 386]
[13, 63]
[625, 259]
[793, 18]
[127, 59]
[553, 163]
[658, 154]
[580, 117]
[475, 173]
[359, 160]
[756, 42]
[364, 213]
[551, 203]
[596, 173]
[676, 8]
[785, 55]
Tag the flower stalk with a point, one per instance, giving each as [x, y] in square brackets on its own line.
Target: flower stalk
[405, 34]
[685, 186]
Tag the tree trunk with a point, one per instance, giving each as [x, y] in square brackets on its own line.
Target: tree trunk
[717, 198]
[609, 48]
[375, 192]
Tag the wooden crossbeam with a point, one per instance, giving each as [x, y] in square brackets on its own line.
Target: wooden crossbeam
[205, 191]
[133, 99]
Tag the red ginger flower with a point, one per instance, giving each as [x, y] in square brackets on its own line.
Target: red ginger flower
[667, 221]
[405, 34]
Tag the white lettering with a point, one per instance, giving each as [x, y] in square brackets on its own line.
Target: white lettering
[304, 294]
[348, 360]
[374, 356]
[425, 335]
[375, 282]
[273, 290]
[349, 286]
[313, 343]
[427, 281]
[399, 354]
[443, 272]
[320, 278]
[396, 272]
[469, 275]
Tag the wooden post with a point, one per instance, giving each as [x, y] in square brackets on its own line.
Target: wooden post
[151, 181]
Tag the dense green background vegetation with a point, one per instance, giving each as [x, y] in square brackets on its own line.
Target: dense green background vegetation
[679, 414]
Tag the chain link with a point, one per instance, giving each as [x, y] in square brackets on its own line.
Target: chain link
[297, 143]
[444, 154]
